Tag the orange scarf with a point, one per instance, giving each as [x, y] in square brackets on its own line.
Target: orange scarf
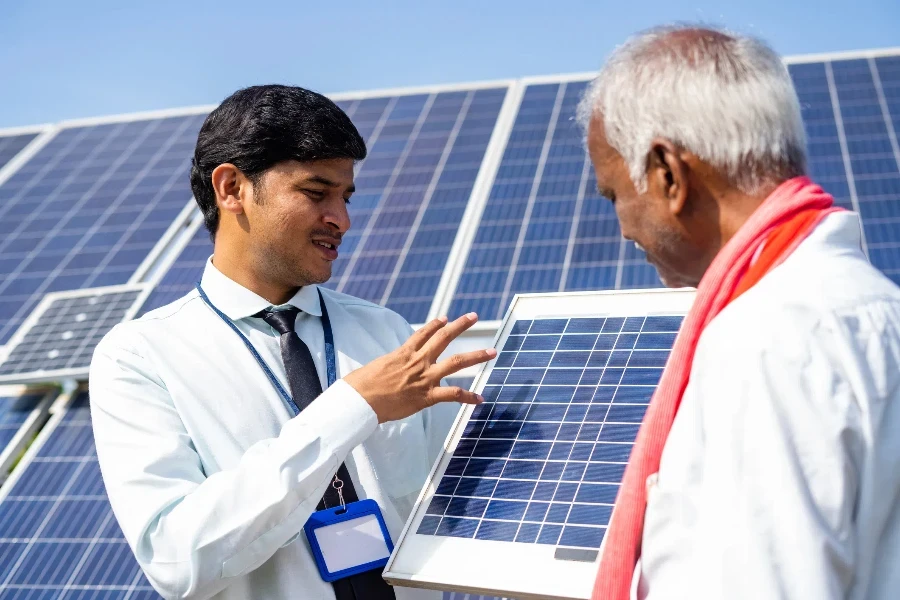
[781, 222]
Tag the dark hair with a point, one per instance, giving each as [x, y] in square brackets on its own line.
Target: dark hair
[257, 127]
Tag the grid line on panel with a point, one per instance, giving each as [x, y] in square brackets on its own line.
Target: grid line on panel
[87, 209]
[55, 536]
[541, 460]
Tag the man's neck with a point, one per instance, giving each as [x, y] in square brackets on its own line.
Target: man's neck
[239, 272]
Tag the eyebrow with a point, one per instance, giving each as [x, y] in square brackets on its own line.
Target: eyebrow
[327, 182]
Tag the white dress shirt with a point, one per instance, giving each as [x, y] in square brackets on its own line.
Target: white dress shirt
[210, 475]
[781, 475]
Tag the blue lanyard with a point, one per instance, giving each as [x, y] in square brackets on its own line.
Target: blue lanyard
[330, 363]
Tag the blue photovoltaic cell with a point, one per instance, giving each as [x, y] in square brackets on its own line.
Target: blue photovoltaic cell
[86, 210]
[11, 145]
[14, 411]
[541, 459]
[545, 228]
[425, 152]
[58, 536]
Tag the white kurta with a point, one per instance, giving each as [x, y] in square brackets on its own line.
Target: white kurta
[781, 475]
[210, 477]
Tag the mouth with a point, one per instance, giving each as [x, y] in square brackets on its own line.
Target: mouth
[328, 249]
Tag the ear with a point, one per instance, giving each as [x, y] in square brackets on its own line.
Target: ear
[232, 188]
[667, 174]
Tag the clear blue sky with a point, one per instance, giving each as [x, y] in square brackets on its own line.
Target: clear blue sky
[65, 59]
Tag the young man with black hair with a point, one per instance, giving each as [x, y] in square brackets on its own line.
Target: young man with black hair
[214, 437]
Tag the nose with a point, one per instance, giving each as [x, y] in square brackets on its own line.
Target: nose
[338, 217]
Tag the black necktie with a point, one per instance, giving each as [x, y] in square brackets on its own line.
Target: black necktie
[303, 380]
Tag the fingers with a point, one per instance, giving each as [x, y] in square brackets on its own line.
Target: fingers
[454, 394]
[424, 333]
[461, 361]
[439, 341]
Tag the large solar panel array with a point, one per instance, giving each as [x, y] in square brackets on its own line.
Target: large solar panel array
[11, 145]
[94, 201]
[88, 208]
[545, 228]
[58, 536]
[540, 461]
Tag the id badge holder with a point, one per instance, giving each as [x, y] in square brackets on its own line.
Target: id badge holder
[348, 539]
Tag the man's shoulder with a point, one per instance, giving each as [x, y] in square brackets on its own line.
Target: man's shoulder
[160, 321]
[830, 300]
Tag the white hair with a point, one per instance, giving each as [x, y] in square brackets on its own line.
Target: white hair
[728, 99]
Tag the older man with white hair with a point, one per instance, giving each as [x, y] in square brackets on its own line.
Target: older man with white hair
[768, 463]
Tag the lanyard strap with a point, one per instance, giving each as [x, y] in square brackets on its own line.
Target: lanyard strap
[330, 362]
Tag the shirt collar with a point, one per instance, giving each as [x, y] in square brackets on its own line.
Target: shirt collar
[237, 302]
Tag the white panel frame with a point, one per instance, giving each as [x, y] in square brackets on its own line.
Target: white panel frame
[44, 376]
[508, 568]
[36, 418]
[481, 190]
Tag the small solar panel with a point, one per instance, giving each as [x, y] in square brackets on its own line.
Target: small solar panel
[533, 473]
[58, 535]
[58, 341]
